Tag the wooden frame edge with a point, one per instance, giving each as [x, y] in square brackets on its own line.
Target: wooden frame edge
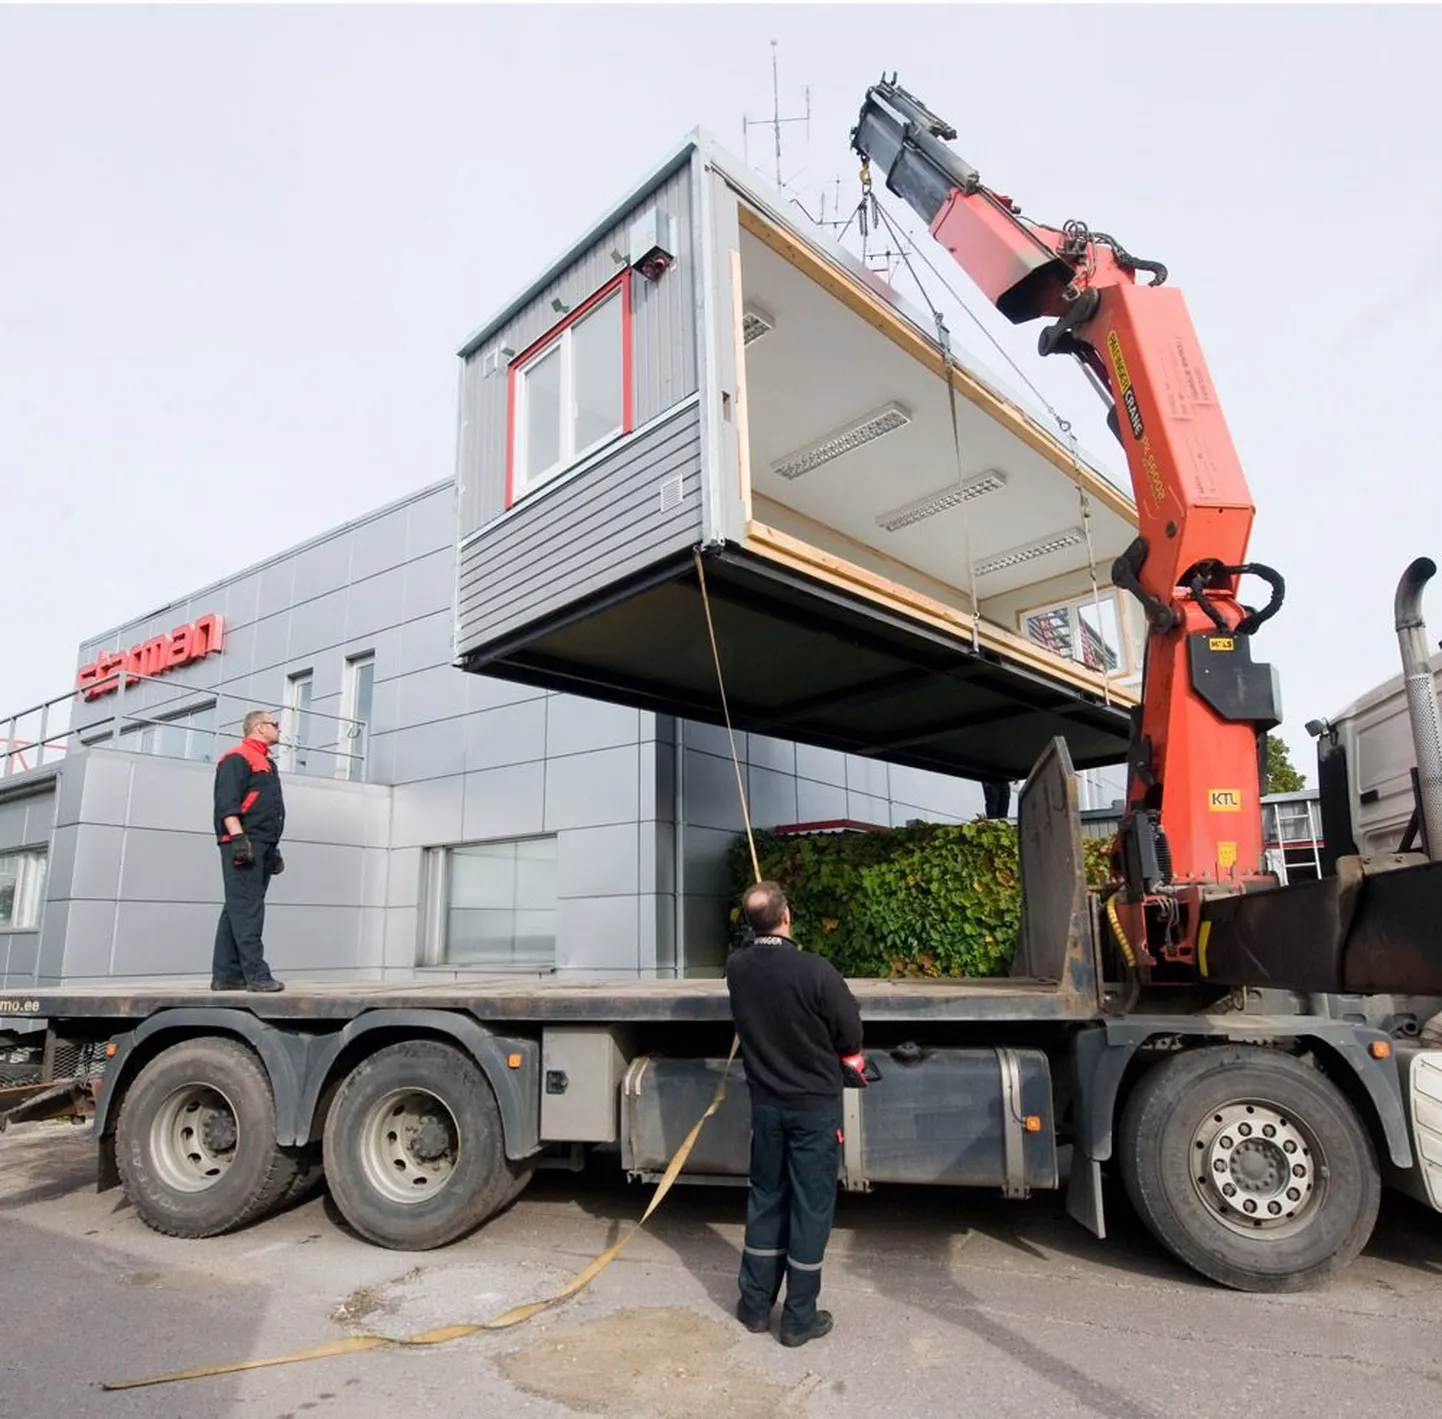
[782, 548]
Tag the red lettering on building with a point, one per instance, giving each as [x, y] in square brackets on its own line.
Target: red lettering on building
[154, 657]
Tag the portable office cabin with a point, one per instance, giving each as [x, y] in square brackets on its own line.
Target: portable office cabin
[702, 371]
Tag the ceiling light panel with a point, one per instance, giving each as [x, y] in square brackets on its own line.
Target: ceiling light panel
[1018, 556]
[755, 322]
[953, 495]
[856, 434]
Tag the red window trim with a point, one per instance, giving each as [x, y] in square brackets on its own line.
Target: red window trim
[621, 282]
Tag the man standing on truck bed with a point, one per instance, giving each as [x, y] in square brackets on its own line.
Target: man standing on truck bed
[795, 1018]
[249, 821]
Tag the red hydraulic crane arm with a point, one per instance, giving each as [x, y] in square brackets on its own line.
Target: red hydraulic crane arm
[1194, 781]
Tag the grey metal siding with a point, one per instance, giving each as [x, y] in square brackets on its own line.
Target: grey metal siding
[26, 820]
[135, 888]
[663, 345]
[581, 536]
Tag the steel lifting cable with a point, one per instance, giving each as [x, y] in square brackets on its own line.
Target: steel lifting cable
[1063, 424]
[444, 1334]
[949, 363]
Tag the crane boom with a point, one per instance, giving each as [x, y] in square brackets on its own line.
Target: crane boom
[1193, 824]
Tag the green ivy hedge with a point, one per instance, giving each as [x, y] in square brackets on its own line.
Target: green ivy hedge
[932, 899]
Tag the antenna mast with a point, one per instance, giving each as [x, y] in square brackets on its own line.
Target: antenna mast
[775, 122]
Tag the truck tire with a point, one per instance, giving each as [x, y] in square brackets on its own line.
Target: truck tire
[1250, 1166]
[309, 1176]
[195, 1140]
[414, 1148]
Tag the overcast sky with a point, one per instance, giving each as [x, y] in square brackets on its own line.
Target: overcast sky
[239, 248]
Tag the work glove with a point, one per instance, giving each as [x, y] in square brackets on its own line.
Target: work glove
[241, 852]
[274, 862]
[857, 1071]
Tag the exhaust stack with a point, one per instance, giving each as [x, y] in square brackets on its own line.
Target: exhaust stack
[1421, 697]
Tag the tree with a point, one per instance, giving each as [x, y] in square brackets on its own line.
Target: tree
[1281, 776]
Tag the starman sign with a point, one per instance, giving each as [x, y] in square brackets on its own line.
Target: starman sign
[156, 656]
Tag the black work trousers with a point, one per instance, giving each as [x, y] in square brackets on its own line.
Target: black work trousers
[239, 951]
[789, 1210]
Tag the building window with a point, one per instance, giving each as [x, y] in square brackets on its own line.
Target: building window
[22, 889]
[296, 729]
[571, 391]
[1085, 630]
[356, 700]
[185, 734]
[499, 904]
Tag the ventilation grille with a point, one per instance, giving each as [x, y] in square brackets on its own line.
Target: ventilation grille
[671, 492]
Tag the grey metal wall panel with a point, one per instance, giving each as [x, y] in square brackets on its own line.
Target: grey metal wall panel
[575, 726]
[170, 794]
[592, 790]
[704, 934]
[161, 866]
[315, 939]
[428, 751]
[773, 797]
[378, 545]
[89, 939]
[819, 802]
[510, 734]
[53, 928]
[430, 695]
[321, 568]
[428, 812]
[429, 584]
[371, 605]
[508, 802]
[168, 938]
[403, 877]
[20, 955]
[425, 642]
[598, 935]
[663, 333]
[26, 821]
[707, 852]
[711, 800]
[431, 528]
[582, 536]
[599, 862]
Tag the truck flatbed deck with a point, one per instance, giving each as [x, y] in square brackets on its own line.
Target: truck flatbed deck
[508, 999]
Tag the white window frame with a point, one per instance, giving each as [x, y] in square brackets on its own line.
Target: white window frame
[32, 863]
[353, 769]
[434, 943]
[1127, 666]
[562, 345]
[294, 754]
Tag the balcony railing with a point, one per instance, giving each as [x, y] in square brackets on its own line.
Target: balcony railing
[41, 735]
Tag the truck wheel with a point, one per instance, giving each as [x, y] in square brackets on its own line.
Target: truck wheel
[195, 1140]
[309, 1176]
[1249, 1166]
[414, 1150]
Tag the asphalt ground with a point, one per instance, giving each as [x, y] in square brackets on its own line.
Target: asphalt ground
[946, 1303]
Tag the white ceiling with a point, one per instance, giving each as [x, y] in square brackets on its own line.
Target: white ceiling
[821, 367]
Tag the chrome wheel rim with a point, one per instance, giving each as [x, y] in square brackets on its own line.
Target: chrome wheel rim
[1256, 1168]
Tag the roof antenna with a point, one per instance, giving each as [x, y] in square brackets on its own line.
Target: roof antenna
[775, 122]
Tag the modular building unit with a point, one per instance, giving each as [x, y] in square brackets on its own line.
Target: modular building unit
[900, 560]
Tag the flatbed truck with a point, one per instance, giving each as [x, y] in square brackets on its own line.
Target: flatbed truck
[1251, 1129]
